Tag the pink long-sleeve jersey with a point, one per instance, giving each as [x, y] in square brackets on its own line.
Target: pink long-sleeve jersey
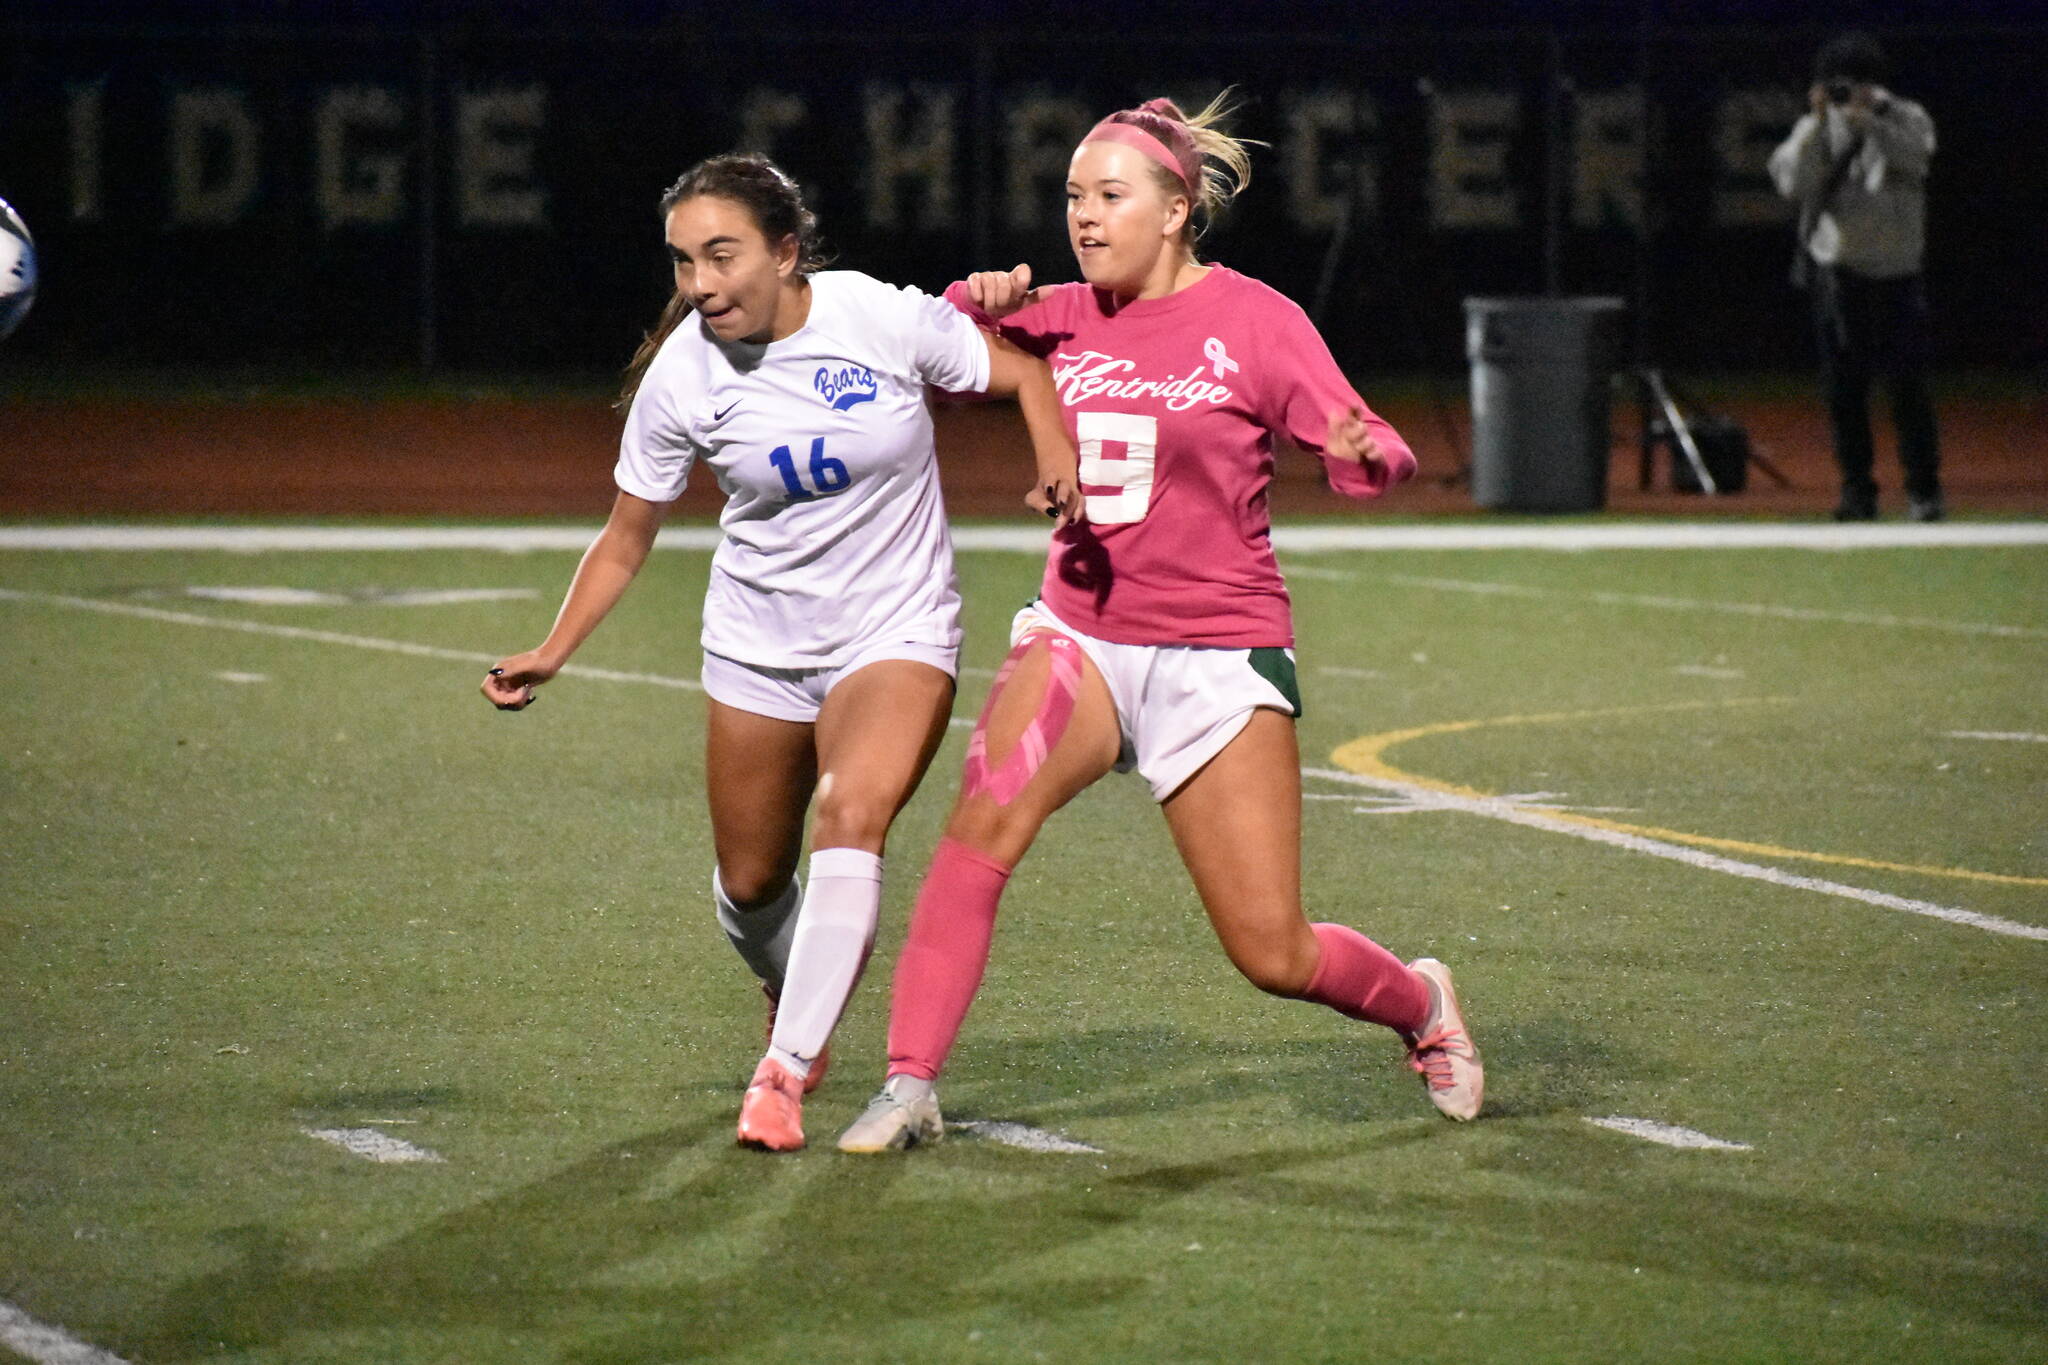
[1173, 403]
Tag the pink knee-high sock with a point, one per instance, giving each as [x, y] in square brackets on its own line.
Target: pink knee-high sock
[1359, 978]
[943, 957]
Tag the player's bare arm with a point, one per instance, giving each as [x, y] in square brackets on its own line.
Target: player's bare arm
[1013, 371]
[608, 567]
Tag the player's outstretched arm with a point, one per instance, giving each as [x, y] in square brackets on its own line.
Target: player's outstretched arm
[1013, 371]
[608, 566]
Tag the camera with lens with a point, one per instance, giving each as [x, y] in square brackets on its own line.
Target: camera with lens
[1839, 92]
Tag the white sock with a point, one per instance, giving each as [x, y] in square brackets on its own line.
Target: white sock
[905, 1088]
[833, 936]
[761, 935]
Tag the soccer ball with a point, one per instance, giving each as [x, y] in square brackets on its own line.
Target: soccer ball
[17, 269]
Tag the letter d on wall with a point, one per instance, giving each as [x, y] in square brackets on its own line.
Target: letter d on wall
[214, 147]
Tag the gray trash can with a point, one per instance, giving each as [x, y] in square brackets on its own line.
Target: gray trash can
[1540, 369]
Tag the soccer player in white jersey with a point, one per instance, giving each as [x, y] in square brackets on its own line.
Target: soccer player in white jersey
[1163, 638]
[831, 625]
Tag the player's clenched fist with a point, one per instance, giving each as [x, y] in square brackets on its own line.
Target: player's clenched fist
[1351, 439]
[1000, 293]
[509, 686]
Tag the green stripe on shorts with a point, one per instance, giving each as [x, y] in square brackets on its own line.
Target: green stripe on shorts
[1273, 664]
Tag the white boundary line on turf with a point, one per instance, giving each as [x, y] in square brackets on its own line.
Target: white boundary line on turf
[322, 637]
[1670, 1134]
[1766, 609]
[1296, 538]
[1659, 535]
[372, 1145]
[47, 1345]
[1497, 808]
[1022, 1135]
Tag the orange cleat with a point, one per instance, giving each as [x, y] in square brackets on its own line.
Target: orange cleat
[772, 1113]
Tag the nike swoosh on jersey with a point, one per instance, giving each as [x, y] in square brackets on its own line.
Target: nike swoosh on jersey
[721, 416]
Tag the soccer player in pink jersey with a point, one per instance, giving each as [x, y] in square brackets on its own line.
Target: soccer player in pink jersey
[1161, 639]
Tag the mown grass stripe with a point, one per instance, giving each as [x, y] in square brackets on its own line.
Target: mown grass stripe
[323, 637]
[1768, 610]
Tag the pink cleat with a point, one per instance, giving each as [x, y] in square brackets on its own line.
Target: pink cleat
[815, 1077]
[772, 1113]
[1442, 1053]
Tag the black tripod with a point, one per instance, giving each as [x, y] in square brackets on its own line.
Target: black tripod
[1706, 443]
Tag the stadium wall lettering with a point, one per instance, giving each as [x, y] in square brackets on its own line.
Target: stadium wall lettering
[360, 170]
[462, 198]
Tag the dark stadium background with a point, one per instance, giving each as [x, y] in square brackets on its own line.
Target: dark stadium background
[631, 91]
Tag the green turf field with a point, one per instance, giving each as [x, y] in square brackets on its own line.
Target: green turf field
[260, 882]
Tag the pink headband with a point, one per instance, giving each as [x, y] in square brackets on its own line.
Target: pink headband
[1184, 161]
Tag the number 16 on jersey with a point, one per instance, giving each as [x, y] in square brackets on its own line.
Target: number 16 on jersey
[828, 476]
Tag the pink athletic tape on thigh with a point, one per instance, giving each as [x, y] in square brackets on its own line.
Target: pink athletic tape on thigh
[1055, 708]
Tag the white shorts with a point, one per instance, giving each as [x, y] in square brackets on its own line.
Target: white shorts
[797, 693]
[1177, 706]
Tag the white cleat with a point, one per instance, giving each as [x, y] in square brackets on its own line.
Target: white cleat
[1443, 1053]
[903, 1115]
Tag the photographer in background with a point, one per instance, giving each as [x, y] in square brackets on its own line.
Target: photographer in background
[1856, 166]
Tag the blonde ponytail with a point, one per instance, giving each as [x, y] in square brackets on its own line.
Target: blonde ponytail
[1225, 161]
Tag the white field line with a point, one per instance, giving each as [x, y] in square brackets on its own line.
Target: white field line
[1021, 1135]
[1765, 609]
[2019, 736]
[269, 597]
[47, 1345]
[1497, 808]
[372, 1145]
[1303, 538]
[1670, 1134]
[1299, 538]
[442, 597]
[308, 597]
[322, 637]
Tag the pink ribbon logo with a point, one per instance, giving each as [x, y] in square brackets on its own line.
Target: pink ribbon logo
[1219, 359]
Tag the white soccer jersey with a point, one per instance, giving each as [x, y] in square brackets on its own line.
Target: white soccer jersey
[835, 536]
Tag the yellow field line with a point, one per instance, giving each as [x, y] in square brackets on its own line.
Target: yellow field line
[1366, 757]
